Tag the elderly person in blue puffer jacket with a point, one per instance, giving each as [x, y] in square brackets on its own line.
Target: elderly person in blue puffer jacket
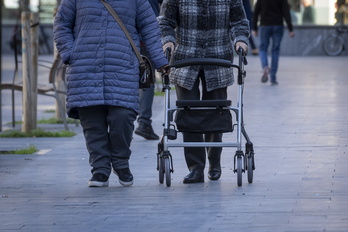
[103, 76]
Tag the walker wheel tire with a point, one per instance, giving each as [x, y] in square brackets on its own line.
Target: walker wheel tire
[250, 168]
[239, 170]
[160, 169]
[167, 171]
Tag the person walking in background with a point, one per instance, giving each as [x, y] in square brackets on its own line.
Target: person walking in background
[146, 96]
[338, 14]
[343, 10]
[295, 9]
[308, 12]
[203, 29]
[249, 14]
[271, 13]
[103, 77]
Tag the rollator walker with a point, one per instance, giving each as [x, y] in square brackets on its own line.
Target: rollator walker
[243, 160]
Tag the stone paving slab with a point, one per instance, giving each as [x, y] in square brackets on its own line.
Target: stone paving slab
[300, 135]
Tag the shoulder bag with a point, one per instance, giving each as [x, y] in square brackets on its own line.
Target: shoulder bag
[145, 69]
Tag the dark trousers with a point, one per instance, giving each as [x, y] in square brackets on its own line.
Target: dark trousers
[196, 156]
[108, 133]
[146, 98]
[145, 105]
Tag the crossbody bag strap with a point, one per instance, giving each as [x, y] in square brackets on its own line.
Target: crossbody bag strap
[120, 23]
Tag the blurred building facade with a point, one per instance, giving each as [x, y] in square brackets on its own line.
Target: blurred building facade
[313, 21]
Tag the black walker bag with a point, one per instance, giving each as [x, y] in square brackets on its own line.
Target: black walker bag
[212, 120]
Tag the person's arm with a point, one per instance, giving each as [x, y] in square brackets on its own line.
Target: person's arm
[287, 17]
[239, 24]
[63, 28]
[150, 33]
[167, 21]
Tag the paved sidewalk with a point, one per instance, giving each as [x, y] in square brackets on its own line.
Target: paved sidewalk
[300, 135]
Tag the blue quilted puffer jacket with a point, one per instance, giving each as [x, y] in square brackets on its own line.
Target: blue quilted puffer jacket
[102, 66]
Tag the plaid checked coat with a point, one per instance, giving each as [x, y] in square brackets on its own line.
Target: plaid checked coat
[203, 29]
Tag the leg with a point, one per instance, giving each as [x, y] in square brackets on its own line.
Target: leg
[95, 129]
[265, 34]
[214, 153]
[145, 109]
[194, 156]
[214, 156]
[145, 104]
[145, 113]
[121, 126]
[277, 36]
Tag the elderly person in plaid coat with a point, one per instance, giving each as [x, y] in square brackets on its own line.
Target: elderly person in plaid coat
[203, 29]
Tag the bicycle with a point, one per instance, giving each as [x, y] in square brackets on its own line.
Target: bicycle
[333, 45]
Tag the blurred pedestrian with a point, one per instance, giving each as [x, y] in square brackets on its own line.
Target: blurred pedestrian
[146, 96]
[338, 14]
[343, 10]
[249, 14]
[203, 29]
[295, 9]
[103, 77]
[271, 13]
[308, 12]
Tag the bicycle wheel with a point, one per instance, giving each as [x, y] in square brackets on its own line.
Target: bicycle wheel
[167, 171]
[239, 171]
[333, 45]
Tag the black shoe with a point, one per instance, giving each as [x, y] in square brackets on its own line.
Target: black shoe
[125, 176]
[194, 177]
[98, 180]
[146, 131]
[214, 173]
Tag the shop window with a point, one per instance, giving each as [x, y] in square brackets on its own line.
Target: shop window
[317, 12]
[11, 10]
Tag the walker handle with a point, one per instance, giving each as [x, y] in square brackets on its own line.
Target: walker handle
[242, 61]
[168, 53]
[215, 62]
[202, 61]
[165, 77]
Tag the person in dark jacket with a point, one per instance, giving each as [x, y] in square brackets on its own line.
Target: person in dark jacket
[271, 14]
[308, 12]
[146, 96]
[203, 29]
[103, 76]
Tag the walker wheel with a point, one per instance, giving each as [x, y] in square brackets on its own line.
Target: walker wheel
[160, 169]
[250, 162]
[239, 170]
[167, 171]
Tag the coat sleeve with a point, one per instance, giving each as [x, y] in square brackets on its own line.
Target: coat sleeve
[150, 33]
[63, 29]
[239, 23]
[168, 20]
[286, 15]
